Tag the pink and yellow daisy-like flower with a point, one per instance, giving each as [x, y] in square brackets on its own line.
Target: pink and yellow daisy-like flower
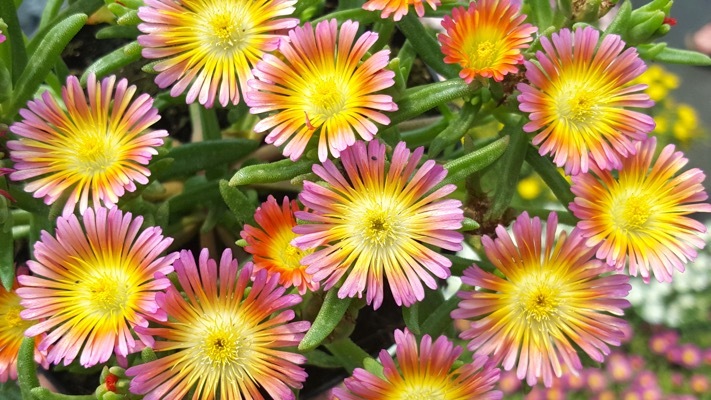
[270, 244]
[399, 7]
[578, 99]
[553, 298]
[209, 47]
[95, 149]
[321, 84]
[226, 337]
[426, 371]
[377, 222]
[640, 214]
[486, 39]
[12, 333]
[92, 284]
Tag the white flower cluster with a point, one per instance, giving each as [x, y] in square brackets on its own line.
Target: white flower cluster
[680, 301]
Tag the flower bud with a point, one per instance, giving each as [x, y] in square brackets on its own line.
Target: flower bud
[114, 385]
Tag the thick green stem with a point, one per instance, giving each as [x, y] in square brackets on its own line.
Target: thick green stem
[27, 368]
[426, 97]
[468, 164]
[349, 354]
[45, 394]
[455, 130]
[426, 45]
[14, 33]
[440, 320]
[51, 9]
[511, 163]
[550, 175]
[364, 17]
[42, 60]
[87, 7]
[332, 311]
[7, 264]
[282, 170]
[423, 135]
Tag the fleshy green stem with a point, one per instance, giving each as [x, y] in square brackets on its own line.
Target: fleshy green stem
[364, 17]
[550, 175]
[426, 45]
[468, 164]
[27, 368]
[455, 130]
[43, 59]
[426, 97]
[332, 311]
[19, 54]
[282, 170]
[440, 320]
[349, 354]
[511, 163]
[45, 394]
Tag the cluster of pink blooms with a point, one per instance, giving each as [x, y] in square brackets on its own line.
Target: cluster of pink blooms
[670, 370]
[99, 285]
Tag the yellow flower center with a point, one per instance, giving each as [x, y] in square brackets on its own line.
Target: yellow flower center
[578, 105]
[327, 98]
[104, 291]
[291, 256]
[632, 213]
[481, 54]
[225, 27]
[12, 317]
[421, 391]
[11, 324]
[107, 295]
[225, 344]
[94, 153]
[539, 297]
[485, 53]
[380, 227]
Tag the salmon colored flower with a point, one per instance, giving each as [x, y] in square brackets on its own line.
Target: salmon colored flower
[270, 244]
[93, 146]
[486, 39]
[426, 371]
[552, 299]
[377, 222]
[12, 333]
[226, 337]
[640, 214]
[209, 47]
[578, 99]
[399, 7]
[321, 86]
[92, 284]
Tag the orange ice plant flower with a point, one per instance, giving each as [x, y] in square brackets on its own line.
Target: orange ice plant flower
[270, 244]
[486, 39]
[12, 333]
